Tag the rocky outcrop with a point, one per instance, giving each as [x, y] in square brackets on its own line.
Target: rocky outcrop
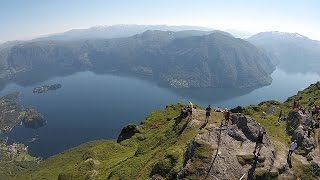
[293, 121]
[127, 132]
[315, 168]
[248, 126]
[228, 149]
[298, 125]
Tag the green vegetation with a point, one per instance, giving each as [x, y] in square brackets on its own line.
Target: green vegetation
[250, 159]
[202, 155]
[265, 174]
[156, 148]
[303, 171]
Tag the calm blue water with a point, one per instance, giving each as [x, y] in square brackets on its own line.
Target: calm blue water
[90, 106]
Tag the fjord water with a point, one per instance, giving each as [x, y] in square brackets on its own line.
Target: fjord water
[91, 106]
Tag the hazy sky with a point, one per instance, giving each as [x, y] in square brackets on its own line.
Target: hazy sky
[24, 19]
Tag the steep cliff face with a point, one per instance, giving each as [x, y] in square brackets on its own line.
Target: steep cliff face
[178, 59]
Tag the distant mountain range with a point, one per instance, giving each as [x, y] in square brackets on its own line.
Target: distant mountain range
[181, 59]
[115, 31]
[294, 52]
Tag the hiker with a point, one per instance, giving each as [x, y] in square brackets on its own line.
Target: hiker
[190, 105]
[259, 142]
[226, 116]
[189, 112]
[208, 113]
[218, 109]
[293, 146]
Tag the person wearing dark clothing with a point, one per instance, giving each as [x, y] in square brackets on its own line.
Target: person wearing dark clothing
[259, 142]
[190, 112]
[227, 116]
[184, 112]
[208, 113]
[293, 146]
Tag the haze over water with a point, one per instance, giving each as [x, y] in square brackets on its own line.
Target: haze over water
[91, 106]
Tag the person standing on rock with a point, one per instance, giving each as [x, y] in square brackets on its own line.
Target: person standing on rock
[259, 142]
[226, 116]
[293, 146]
[190, 104]
[190, 108]
[208, 113]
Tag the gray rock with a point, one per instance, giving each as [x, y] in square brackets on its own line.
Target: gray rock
[315, 168]
[235, 135]
[308, 144]
[307, 121]
[249, 127]
[298, 134]
[310, 157]
[293, 121]
[271, 110]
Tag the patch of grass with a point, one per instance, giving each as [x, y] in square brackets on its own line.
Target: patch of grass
[155, 144]
[303, 171]
[202, 155]
[265, 174]
[249, 160]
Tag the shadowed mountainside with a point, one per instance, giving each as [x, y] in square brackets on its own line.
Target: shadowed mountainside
[178, 59]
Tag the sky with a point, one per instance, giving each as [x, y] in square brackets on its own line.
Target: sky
[26, 19]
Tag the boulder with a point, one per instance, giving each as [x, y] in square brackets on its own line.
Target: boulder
[308, 121]
[303, 141]
[315, 168]
[298, 134]
[127, 132]
[310, 157]
[232, 132]
[249, 127]
[308, 144]
[271, 110]
[294, 119]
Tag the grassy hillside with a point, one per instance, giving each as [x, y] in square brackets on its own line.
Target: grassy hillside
[156, 143]
[159, 146]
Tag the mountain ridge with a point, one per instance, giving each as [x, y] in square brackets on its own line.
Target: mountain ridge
[159, 55]
[294, 52]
